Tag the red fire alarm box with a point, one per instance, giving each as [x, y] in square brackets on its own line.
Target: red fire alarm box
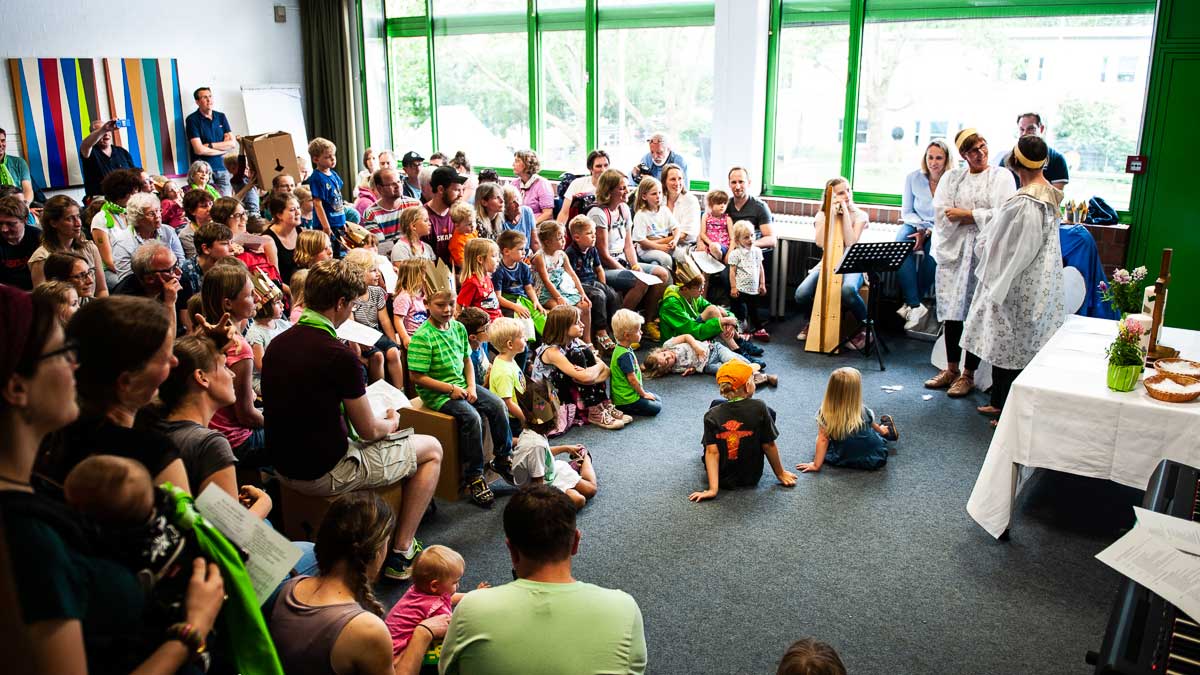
[1135, 164]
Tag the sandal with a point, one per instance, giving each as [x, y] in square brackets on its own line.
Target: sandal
[605, 343]
[889, 423]
[577, 459]
[987, 410]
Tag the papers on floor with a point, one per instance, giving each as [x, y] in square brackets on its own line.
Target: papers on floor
[707, 263]
[1154, 554]
[382, 396]
[270, 556]
[926, 397]
[892, 388]
[646, 278]
[356, 332]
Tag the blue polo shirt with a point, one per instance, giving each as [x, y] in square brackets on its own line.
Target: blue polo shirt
[208, 131]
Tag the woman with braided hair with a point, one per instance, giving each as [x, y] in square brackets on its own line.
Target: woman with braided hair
[332, 623]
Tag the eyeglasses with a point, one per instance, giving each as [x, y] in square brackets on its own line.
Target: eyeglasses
[69, 351]
[83, 276]
[241, 214]
[173, 271]
[978, 150]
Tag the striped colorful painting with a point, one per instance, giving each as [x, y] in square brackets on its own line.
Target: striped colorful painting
[57, 100]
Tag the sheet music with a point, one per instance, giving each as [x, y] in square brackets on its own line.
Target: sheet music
[356, 332]
[1182, 534]
[382, 395]
[707, 263]
[271, 555]
[1155, 563]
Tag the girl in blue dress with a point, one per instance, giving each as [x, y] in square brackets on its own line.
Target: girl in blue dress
[847, 433]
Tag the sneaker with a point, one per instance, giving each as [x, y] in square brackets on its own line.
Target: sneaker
[915, 316]
[761, 379]
[942, 380]
[577, 459]
[652, 331]
[481, 494]
[503, 467]
[600, 416]
[748, 348]
[755, 360]
[889, 423]
[859, 341]
[761, 335]
[397, 566]
[903, 311]
[961, 387]
[616, 413]
[803, 334]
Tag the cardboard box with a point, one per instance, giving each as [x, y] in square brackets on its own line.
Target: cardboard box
[270, 155]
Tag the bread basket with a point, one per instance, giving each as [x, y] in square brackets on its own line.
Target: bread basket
[1165, 366]
[1154, 387]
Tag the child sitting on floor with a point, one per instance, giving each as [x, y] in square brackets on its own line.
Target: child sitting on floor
[408, 300]
[506, 379]
[439, 362]
[685, 355]
[436, 574]
[534, 460]
[847, 434]
[513, 280]
[556, 280]
[463, 217]
[627, 392]
[738, 434]
[571, 366]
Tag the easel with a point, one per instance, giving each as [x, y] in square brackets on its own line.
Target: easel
[1156, 351]
[874, 259]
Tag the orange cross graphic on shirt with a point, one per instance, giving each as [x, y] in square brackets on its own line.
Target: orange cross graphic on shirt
[733, 437]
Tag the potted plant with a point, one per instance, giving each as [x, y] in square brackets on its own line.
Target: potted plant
[1124, 294]
[1126, 358]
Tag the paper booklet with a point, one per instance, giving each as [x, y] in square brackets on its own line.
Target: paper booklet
[382, 395]
[707, 263]
[356, 332]
[646, 278]
[270, 555]
[389, 273]
[1155, 554]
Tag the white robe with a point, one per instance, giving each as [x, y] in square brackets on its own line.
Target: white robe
[953, 245]
[1019, 303]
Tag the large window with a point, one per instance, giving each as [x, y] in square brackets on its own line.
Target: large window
[1085, 75]
[483, 96]
[564, 100]
[408, 71]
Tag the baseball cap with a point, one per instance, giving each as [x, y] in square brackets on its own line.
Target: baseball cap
[445, 175]
[735, 373]
[411, 157]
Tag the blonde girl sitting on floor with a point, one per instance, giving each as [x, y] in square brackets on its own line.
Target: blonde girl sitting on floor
[847, 434]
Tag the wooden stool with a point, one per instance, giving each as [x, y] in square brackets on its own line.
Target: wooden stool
[442, 427]
[302, 514]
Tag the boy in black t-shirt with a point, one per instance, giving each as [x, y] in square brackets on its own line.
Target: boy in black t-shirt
[738, 434]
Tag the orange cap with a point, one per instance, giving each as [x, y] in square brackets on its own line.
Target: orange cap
[735, 373]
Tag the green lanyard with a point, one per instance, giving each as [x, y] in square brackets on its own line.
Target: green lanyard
[314, 319]
[111, 210]
[6, 177]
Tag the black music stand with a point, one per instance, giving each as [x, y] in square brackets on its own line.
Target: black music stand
[873, 259]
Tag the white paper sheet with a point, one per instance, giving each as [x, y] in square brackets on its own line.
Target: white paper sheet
[271, 555]
[1154, 563]
[382, 395]
[388, 272]
[1182, 534]
[356, 332]
[646, 278]
[707, 263]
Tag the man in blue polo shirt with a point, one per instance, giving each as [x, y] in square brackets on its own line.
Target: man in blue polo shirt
[210, 137]
[1055, 170]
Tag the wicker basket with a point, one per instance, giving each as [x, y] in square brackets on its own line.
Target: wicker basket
[1170, 396]
[1158, 365]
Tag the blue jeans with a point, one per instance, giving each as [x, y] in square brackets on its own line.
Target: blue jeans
[807, 291]
[222, 181]
[719, 355]
[915, 280]
[643, 407]
[469, 419]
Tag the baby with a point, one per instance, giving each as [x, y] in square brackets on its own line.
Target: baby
[435, 574]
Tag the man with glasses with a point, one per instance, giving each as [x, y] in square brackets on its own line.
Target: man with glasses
[18, 241]
[1055, 171]
[383, 217]
[155, 275]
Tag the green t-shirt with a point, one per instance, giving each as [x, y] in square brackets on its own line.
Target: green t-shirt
[507, 380]
[439, 354]
[624, 361]
[536, 629]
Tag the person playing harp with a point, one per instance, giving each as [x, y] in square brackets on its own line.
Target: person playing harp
[850, 222]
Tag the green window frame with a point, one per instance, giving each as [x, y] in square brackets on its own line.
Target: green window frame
[788, 13]
[590, 19]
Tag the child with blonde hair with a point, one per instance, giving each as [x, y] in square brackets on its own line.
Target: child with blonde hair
[481, 257]
[436, 573]
[747, 280]
[463, 217]
[304, 196]
[847, 434]
[62, 294]
[685, 355]
[738, 434]
[414, 227]
[852, 221]
[656, 233]
[171, 199]
[408, 299]
[312, 246]
[571, 366]
[557, 283]
[296, 286]
[507, 378]
[714, 236]
[628, 394]
[372, 312]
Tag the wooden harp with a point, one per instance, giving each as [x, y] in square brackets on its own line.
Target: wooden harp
[1158, 351]
[825, 326]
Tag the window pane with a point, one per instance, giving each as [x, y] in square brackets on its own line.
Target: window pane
[410, 95]
[374, 58]
[564, 95]
[1085, 75]
[483, 96]
[641, 94]
[452, 7]
[397, 8]
[810, 104]
[604, 4]
[560, 4]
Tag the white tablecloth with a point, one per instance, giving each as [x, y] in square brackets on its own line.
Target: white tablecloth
[794, 229]
[1061, 415]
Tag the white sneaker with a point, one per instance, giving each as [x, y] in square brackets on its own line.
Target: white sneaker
[903, 311]
[617, 414]
[915, 315]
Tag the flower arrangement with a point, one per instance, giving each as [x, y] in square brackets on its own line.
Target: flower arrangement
[1125, 292]
[1126, 358]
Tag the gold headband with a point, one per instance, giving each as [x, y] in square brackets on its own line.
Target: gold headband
[1025, 161]
[964, 135]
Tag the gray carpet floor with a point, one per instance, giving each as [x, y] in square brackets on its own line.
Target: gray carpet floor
[886, 566]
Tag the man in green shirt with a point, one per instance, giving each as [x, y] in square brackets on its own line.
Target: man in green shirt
[545, 622]
[14, 171]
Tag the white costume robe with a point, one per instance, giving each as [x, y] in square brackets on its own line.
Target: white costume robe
[1019, 303]
[953, 245]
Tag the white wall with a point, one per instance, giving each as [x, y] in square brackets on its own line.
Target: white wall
[222, 44]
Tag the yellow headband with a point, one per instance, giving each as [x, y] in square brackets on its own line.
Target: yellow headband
[964, 135]
[1025, 161]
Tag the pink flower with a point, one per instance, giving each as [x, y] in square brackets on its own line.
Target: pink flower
[1139, 273]
[1121, 277]
[1103, 287]
[1133, 326]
